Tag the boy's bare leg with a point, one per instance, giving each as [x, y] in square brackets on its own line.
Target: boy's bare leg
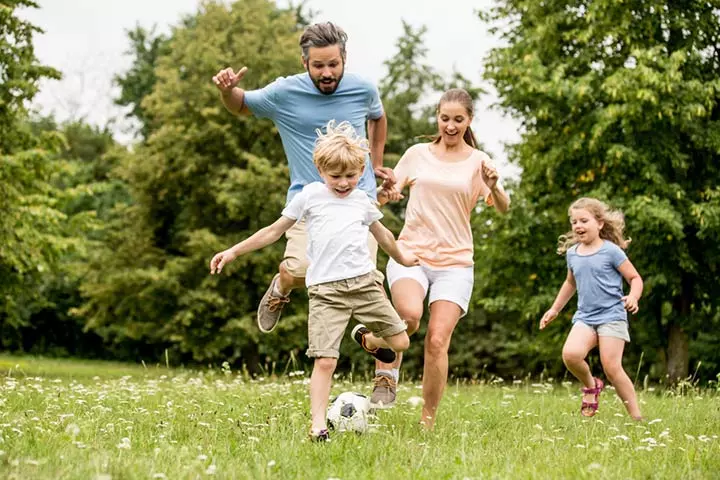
[320, 384]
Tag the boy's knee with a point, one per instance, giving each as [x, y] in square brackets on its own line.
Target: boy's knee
[326, 364]
[399, 342]
[288, 281]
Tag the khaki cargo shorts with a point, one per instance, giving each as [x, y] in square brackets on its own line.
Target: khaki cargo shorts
[295, 257]
[332, 304]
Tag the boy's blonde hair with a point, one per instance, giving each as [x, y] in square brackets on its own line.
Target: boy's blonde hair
[339, 149]
[613, 223]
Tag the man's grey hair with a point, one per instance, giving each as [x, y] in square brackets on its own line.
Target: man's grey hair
[323, 35]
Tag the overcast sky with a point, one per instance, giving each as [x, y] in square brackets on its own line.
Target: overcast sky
[86, 40]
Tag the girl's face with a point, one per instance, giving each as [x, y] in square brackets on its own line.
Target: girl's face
[584, 225]
[453, 120]
[341, 183]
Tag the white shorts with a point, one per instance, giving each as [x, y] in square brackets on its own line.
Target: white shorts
[451, 284]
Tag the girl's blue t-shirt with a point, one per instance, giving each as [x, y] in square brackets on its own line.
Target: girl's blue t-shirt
[599, 284]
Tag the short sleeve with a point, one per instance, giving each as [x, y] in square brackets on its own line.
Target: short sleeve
[262, 102]
[297, 206]
[405, 168]
[375, 109]
[372, 214]
[617, 255]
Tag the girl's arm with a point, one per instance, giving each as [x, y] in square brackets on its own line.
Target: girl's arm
[564, 295]
[386, 240]
[631, 275]
[262, 238]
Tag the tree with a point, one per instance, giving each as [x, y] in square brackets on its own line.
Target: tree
[617, 101]
[146, 47]
[31, 228]
[201, 181]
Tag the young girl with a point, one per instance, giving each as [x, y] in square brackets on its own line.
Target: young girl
[596, 266]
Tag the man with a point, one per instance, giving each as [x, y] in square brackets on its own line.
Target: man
[299, 105]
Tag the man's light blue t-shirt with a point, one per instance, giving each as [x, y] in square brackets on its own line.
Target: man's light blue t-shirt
[599, 284]
[298, 108]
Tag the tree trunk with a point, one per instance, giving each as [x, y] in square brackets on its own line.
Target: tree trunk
[678, 355]
[678, 363]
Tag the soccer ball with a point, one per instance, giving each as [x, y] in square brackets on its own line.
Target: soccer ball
[348, 412]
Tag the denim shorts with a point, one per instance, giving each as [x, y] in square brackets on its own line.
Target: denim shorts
[617, 329]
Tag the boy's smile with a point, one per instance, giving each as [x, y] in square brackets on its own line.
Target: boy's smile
[341, 184]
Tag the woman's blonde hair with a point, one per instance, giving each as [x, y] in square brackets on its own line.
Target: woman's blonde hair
[613, 223]
[339, 148]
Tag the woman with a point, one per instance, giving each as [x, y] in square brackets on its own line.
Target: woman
[447, 177]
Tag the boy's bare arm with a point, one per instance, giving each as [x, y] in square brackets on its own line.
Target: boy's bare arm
[262, 238]
[386, 240]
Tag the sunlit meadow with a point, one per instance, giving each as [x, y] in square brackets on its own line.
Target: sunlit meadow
[70, 419]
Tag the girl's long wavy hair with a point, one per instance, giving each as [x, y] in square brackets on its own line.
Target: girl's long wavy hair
[613, 224]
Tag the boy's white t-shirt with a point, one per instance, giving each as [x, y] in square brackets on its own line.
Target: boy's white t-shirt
[337, 230]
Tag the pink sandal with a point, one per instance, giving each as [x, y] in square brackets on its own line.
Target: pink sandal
[589, 409]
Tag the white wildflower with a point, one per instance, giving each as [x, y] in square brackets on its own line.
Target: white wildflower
[124, 443]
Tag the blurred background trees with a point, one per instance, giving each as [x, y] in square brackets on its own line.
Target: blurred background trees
[104, 248]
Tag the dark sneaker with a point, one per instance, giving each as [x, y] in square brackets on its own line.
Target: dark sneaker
[270, 308]
[321, 436]
[385, 355]
[384, 392]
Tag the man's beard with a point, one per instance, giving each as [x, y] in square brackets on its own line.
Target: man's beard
[318, 82]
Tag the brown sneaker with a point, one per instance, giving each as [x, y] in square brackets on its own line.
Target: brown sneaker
[270, 308]
[384, 392]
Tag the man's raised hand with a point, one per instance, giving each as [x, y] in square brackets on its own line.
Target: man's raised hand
[226, 79]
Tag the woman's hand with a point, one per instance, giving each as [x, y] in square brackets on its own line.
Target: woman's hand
[489, 174]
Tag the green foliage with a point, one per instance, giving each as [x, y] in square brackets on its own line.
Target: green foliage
[137, 83]
[617, 101]
[20, 73]
[201, 181]
[31, 227]
[86, 193]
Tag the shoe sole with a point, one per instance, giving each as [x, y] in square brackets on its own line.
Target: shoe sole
[354, 331]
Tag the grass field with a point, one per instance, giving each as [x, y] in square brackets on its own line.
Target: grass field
[92, 420]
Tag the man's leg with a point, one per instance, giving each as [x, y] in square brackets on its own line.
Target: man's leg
[291, 275]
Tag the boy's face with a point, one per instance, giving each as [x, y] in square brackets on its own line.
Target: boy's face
[342, 183]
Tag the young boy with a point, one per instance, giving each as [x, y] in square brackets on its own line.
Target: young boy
[340, 277]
